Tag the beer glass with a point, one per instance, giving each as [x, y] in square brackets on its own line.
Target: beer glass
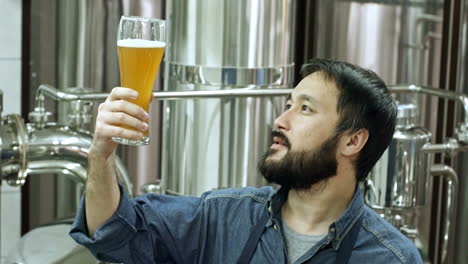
[140, 43]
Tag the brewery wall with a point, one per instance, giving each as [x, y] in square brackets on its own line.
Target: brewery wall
[10, 84]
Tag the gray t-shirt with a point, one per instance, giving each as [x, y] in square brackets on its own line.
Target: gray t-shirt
[298, 244]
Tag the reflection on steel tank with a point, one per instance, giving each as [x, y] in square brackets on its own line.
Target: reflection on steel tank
[395, 40]
[215, 45]
[399, 40]
[402, 42]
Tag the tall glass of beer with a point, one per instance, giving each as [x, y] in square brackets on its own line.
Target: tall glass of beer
[140, 43]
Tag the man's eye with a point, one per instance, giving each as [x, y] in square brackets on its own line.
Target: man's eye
[306, 108]
[287, 106]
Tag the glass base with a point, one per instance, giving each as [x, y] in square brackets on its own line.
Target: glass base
[142, 142]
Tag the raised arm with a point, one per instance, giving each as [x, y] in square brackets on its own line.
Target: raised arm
[102, 192]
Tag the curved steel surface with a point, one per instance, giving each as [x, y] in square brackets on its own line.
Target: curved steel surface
[73, 170]
[55, 142]
[55, 146]
[393, 38]
[239, 34]
[230, 76]
[13, 152]
[400, 177]
[216, 143]
[448, 231]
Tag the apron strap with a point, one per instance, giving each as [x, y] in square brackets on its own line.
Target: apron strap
[347, 245]
[254, 238]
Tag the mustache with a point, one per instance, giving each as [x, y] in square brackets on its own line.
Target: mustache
[281, 135]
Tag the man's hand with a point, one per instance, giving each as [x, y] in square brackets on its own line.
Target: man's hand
[117, 117]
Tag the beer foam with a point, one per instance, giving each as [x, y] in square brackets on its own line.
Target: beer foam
[140, 43]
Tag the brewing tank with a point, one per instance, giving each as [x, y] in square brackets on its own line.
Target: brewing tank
[400, 178]
[214, 45]
[399, 40]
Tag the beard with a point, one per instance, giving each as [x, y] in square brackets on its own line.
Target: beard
[300, 170]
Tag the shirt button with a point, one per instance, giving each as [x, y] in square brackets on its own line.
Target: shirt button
[275, 227]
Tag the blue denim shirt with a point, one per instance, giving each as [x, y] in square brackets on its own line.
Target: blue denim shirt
[214, 228]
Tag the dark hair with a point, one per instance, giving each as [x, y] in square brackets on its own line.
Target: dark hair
[364, 102]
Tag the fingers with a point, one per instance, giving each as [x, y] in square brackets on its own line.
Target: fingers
[124, 119]
[120, 118]
[104, 130]
[122, 93]
[125, 107]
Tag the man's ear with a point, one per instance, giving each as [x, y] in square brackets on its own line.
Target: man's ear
[352, 143]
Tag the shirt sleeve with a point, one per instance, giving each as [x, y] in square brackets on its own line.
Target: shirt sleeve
[148, 229]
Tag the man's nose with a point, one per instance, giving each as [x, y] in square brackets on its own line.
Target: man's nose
[282, 122]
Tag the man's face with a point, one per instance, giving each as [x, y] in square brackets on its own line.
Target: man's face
[303, 152]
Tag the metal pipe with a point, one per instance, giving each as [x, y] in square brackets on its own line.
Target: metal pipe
[462, 98]
[55, 142]
[56, 146]
[73, 162]
[56, 94]
[452, 181]
[450, 147]
[74, 171]
[220, 94]
[435, 148]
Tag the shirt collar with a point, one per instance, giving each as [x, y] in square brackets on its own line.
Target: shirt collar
[341, 227]
[275, 204]
[338, 229]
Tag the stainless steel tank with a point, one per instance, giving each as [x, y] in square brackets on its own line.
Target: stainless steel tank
[461, 234]
[213, 45]
[400, 179]
[401, 41]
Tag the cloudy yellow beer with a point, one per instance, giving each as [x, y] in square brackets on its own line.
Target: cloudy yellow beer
[139, 61]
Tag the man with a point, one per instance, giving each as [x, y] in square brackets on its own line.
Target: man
[337, 123]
